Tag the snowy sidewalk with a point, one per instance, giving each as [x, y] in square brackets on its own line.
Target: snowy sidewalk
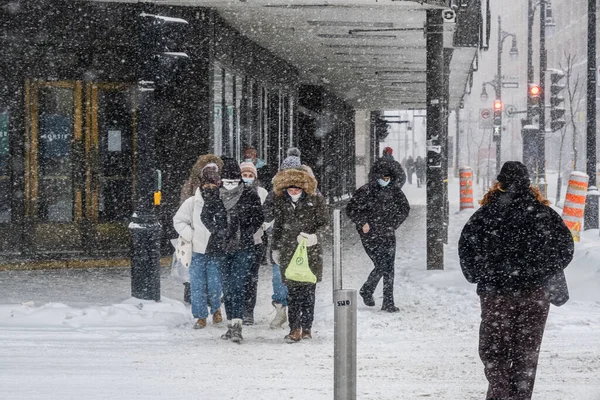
[84, 338]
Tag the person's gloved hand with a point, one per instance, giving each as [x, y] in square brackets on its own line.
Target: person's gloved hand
[275, 255]
[311, 238]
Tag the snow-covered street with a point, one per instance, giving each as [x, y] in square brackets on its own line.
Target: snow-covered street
[77, 335]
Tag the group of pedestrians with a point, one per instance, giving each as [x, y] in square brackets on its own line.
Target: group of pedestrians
[225, 214]
[515, 248]
[414, 166]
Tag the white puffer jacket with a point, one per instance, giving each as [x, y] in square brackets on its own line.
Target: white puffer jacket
[188, 224]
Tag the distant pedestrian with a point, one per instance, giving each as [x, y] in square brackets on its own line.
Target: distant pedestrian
[188, 189]
[205, 280]
[510, 248]
[410, 168]
[420, 170]
[398, 170]
[263, 170]
[377, 209]
[300, 215]
[244, 217]
[249, 175]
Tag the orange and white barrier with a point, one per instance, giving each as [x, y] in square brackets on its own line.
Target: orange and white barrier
[466, 187]
[575, 203]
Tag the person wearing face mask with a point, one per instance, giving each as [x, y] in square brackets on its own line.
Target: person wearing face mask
[244, 218]
[189, 222]
[263, 171]
[251, 286]
[377, 209]
[299, 214]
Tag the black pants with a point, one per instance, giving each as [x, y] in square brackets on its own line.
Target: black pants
[301, 305]
[510, 337]
[251, 284]
[382, 251]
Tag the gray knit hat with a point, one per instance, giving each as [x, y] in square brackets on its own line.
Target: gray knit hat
[291, 162]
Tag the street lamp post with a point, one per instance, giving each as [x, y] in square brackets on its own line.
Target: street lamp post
[591, 203]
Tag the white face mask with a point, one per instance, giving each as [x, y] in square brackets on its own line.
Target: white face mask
[230, 184]
[295, 197]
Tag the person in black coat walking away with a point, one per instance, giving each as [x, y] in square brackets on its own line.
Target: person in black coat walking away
[510, 248]
[244, 218]
[378, 208]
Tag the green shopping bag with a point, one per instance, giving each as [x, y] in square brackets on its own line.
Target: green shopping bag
[298, 269]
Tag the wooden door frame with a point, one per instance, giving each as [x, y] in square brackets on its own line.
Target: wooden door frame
[32, 87]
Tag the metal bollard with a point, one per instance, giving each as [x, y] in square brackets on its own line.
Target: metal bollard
[344, 330]
[337, 251]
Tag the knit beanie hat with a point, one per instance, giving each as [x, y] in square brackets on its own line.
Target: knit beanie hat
[514, 173]
[211, 176]
[290, 162]
[388, 150]
[248, 167]
[231, 169]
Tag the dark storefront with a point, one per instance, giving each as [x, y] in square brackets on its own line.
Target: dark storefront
[68, 122]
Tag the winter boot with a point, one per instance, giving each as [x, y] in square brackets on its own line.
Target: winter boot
[248, 319]
[200, 324]
[280, 316]
[306, 334]
[294, 336]
[367, 298]
[217, 317]
[227, 335]
[236, 330]
[390, 308]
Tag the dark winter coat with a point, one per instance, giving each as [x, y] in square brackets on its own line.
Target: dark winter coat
[383, 208]
[214, 218]
[309, 215]
[387, 163]
[514, 243]
[240, 223]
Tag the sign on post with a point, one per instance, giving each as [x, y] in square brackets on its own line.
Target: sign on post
[485, 118]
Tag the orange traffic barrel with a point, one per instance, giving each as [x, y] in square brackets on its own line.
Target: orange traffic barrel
[575, 203]
[466, 187]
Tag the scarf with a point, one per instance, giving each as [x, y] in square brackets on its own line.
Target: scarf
[231, 197]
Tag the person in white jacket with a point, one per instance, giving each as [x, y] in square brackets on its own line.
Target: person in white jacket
[205, 278]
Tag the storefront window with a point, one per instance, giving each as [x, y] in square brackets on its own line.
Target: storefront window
[5, 191]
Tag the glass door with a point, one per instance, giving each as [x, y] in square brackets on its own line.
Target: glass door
[54, 134]
[110, 150]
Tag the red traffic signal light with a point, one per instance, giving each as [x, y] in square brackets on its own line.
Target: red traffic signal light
[534, 90]
[498, 105]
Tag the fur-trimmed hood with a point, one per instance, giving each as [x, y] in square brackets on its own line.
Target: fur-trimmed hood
[294, 177]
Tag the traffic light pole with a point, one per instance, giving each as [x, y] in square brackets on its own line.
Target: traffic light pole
[144, 227]
[498, 119]
[591, 202]
[541, 150]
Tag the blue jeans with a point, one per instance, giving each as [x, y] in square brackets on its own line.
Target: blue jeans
[234, 270]
[205, 285]
[280, 291]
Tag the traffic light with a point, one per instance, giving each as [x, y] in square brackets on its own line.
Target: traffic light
[498, 106]
[162, 48]
[557, 109]
[534, 91]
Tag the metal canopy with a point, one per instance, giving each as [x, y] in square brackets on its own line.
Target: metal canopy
[371, 53]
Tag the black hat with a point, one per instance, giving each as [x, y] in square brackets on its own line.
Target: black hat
[514, 173]
[231, 169]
